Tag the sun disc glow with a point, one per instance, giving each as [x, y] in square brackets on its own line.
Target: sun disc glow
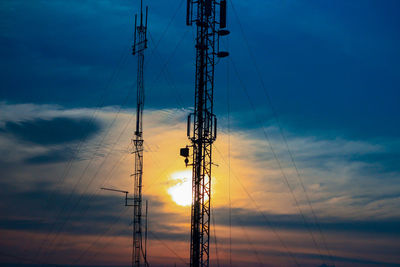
[181, 192]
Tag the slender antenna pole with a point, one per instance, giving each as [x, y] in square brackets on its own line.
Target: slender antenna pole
[138, 48]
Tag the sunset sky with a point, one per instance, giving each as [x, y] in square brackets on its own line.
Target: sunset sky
[307, 159]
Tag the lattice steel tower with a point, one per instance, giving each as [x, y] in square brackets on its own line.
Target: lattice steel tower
[140, 44]
[202, 124]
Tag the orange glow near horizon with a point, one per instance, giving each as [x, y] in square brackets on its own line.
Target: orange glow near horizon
[239, 181]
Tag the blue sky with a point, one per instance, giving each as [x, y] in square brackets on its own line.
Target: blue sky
[330, 70]
[326, 64]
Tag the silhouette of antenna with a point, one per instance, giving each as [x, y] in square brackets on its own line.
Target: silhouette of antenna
[139, 45]
[202, 123]
[139, 242]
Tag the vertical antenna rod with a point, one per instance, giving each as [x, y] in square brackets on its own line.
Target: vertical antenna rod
[202, 124]
[139, 45]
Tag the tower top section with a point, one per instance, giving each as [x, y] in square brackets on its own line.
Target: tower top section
[210, 18]
[140, 38]
[208, 9]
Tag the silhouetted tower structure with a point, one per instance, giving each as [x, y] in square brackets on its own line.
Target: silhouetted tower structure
[140, 44]
[202, 123]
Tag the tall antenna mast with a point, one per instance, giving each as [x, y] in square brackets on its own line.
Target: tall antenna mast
[202, 124]
[140, 44]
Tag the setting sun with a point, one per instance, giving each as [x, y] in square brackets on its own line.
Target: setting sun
[181, 192]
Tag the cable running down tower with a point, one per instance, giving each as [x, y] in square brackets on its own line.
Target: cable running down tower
[202, 123]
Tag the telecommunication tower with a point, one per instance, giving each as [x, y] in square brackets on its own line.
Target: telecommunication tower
[139, 45]
[210, 19]
[139, 242]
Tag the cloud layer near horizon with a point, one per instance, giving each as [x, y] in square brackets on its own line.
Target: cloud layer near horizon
[342, 177]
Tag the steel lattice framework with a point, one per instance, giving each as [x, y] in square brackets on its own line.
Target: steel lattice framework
[202, 124]
[140, 44]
